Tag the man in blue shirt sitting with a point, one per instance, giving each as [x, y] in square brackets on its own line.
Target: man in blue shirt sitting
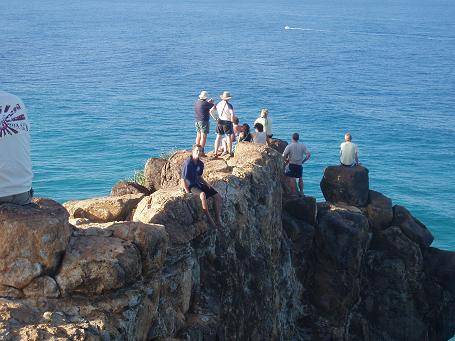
[192, 182]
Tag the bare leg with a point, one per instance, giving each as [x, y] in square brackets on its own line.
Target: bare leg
[301, 186]
[217, 143]
[206, 209]
[203, 140]
[229, 144]
[198, 138]
[292, 185]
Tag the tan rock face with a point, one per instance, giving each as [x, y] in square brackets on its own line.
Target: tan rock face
[32, 241]
[151, 239]
[179, 212]
[104, 209]
[152, 173]
[94, 265]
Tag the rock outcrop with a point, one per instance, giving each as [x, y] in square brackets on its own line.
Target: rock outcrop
[104, 209]
[348, 185]
[280, 268]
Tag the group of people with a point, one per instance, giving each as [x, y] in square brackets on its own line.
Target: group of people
[16, 167]
[228, 129]
[295, 153]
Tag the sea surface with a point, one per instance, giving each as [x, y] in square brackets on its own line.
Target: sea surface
[110, 83]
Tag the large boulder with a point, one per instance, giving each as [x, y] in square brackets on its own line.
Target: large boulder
[94, 265]
[151, 240]
[32, 240]
[440, 264]
[349, 185]
[341, 240]
[104, 209]
[128, 187]
[379, 210]
[411, 227]
[302, 208]
[180, 213]
[152, 173]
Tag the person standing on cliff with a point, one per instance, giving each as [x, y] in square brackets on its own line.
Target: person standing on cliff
[15, 163]
[203, 109]
[192, 182]
[224, 126]
[295, 155]
[349, 152]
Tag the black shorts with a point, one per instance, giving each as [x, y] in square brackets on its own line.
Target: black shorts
[209, 191]
[224, 127]
[293, 171]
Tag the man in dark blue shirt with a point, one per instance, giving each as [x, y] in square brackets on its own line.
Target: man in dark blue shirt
[202, 110]
[192, 182]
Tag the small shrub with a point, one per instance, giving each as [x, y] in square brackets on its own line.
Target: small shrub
[138, 177]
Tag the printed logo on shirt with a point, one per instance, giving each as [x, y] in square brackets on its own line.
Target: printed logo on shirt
[12, 120]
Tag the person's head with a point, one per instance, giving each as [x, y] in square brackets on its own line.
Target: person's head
[235, 120]
[197, 149]
[203, 95]
[246, 128]
[264, 112]
[226, 96]
[295, 137]
[259, 127]
[348, 137]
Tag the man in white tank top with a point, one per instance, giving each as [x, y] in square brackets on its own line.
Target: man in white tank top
[224, 123]
[349, 152]
[15, 163]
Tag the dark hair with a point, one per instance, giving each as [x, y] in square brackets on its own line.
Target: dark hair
[295, 136]
[236, 120]
[246, 127]
[259, 127]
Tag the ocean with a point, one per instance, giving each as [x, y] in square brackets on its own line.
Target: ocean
[109, 84]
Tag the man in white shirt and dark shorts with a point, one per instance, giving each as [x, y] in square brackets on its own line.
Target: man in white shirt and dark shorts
[295, 154]
[224, 124]
[15, 163]
[349, 152]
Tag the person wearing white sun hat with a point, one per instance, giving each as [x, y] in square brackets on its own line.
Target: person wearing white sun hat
[226, 116]
[203, 109]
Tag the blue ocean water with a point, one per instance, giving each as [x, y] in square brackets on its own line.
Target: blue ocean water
[111, 83]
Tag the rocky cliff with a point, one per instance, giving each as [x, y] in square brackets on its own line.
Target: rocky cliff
[143, 264]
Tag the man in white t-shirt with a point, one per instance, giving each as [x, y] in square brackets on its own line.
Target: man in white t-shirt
[224, 124]
[15, 163]
[349, 152]
[295, 154]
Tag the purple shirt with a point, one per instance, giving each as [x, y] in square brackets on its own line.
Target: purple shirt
[202, 110]
[192, 171]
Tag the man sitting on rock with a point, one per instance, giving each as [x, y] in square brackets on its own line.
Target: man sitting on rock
[192, 182]
[15, 164]
[349, 153]
[295, 155]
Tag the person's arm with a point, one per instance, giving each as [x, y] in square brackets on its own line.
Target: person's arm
[356, 155]
[184, 184]
[286, 154]
[213, 112]
[307, 155]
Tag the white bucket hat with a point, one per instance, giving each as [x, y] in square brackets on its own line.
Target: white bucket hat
[226, 95]
[203, 95]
